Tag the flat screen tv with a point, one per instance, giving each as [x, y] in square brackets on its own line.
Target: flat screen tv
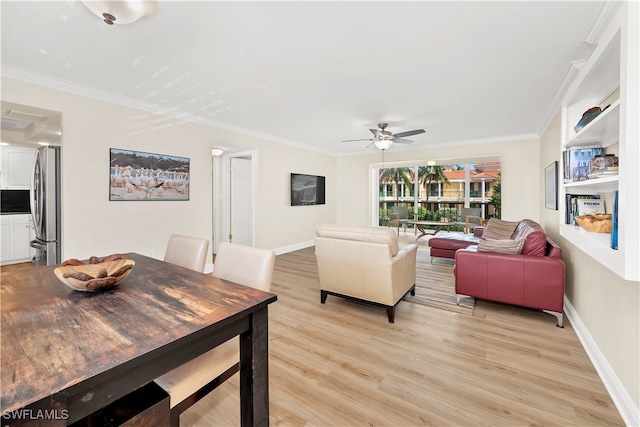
[307, 189]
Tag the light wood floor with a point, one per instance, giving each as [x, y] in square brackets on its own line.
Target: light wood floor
[343, 364]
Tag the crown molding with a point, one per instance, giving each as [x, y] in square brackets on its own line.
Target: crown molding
[182, 116]
[600, 24]
[602, 21]
[448, 144]
[554, 106]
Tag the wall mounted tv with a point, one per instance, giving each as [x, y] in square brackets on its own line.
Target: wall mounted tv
[307, 189]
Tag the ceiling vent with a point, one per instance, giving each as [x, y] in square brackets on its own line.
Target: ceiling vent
[14, 124]
[21, 115]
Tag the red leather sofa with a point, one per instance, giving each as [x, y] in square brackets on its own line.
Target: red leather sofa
[445, 244]
[534, 278]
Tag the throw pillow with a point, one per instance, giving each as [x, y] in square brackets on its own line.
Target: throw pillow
[505, 246]
[498, 229]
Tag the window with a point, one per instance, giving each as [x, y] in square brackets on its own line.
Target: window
[435, 192]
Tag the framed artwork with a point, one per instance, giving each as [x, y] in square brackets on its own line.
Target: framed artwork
[136, 175]
[551, 186]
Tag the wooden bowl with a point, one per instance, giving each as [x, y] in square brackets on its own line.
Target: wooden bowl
[595, 223]
[95, 277]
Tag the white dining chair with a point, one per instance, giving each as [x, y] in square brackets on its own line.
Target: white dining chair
[188, 252]
[190, 382]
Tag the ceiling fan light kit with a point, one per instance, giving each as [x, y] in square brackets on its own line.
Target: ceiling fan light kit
[122, 11]
[383, 144]
[383, 139]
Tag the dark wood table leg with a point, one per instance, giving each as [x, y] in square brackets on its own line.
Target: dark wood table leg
[424, 230]
[254, 372]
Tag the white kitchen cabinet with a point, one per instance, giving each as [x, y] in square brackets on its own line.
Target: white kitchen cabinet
[17, 166]
[6, 236]
[15, 236]
[608, 77]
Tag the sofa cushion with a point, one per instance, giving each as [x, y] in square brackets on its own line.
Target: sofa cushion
[452, 241]
[505, 246]
[498, 229]
[535, 239]
[361, 233]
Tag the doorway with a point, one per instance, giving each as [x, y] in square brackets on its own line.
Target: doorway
[234, 216]
[26, 131]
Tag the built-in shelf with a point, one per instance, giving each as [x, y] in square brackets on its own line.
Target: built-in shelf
[606, 184]
[605, 78]
[598, 245]
[604, 130]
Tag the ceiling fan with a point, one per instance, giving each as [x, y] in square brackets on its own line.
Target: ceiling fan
[383, 139]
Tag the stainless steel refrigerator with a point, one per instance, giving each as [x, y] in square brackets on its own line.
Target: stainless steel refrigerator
[45, 206]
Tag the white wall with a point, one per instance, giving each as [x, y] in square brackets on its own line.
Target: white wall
[278, 224]
[93, 225]
[520, 176]
[607, 305]
[91, 127]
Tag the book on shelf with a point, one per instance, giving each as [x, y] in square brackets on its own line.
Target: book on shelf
[614, 225]
[571, 206]
[576, 162]
[590, 207]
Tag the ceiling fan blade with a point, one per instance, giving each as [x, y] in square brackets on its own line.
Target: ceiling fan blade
[402, 141]
[409, 133]
[376, 132]
[357, 140]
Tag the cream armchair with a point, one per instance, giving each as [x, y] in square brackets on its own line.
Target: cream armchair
[364, 263]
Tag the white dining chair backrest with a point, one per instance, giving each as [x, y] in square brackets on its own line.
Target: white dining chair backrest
[245, 265]
[188, 252]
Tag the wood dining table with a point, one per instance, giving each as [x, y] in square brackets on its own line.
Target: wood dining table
[67, 354]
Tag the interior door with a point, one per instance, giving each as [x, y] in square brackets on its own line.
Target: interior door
[241, 198]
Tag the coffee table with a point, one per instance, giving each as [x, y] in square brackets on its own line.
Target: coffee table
[421, 226]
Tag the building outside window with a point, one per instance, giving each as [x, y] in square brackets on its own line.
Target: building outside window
[439, 190]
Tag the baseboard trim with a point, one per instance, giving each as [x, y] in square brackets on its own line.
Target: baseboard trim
[294, 247]
[625, 405]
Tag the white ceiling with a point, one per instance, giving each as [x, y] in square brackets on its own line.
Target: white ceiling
[315, 73]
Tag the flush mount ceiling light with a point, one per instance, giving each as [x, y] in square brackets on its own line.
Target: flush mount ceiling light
[122, 11]
[217, 151]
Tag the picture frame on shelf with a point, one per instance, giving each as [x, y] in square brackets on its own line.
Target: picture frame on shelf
[551, 186]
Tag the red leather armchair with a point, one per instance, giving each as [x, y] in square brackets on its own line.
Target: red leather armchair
[534, 278]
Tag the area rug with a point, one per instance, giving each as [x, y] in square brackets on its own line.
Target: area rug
[435, 285]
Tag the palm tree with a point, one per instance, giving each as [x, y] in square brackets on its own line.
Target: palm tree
[396, 175]
[496, 196]
[429, 174]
